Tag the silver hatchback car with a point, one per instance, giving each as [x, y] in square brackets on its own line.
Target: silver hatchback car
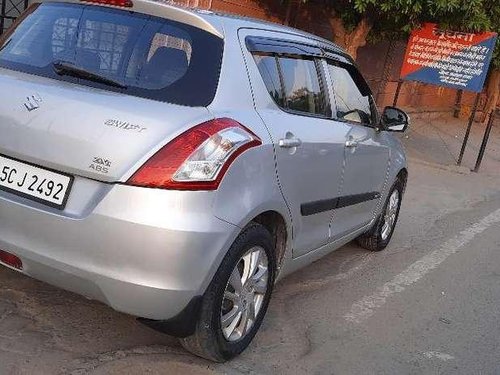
[174, 164]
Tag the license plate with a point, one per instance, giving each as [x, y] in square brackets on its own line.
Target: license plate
[38, 184]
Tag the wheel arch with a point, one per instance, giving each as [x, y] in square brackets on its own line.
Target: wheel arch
[403, 177]
[276, 224]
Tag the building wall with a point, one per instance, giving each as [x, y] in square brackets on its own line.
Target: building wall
[380, 63]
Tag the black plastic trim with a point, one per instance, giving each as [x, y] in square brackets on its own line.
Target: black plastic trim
[316, 207]
[351, 200]
[285, 47]
[312, 208]
[182, 325]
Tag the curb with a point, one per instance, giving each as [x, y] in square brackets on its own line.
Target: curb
[459, 169]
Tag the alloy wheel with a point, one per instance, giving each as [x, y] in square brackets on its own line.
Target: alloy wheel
[391, 213]
[244, 294]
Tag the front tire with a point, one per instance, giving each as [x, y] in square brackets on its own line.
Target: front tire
[377, 238]
[236, 300]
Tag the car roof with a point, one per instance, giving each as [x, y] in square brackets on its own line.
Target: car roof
[239, 21]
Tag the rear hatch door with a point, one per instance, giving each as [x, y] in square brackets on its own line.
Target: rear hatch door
[84, 131]
[136, 82]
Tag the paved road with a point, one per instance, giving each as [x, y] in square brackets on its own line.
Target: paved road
[428, 304]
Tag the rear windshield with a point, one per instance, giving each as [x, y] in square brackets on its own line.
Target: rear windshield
[145, 56]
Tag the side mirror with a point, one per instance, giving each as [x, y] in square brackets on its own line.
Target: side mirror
[394, 120]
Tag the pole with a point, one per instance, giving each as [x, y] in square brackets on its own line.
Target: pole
[2, 15]
[469, 126]
[398, 91]
[288, 13]
[485, 142]
[386, 72]
[458, 103]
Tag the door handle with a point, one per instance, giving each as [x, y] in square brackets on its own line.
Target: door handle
[351, 143]
[289, 142]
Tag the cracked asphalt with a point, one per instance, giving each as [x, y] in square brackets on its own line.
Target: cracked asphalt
[428, 304]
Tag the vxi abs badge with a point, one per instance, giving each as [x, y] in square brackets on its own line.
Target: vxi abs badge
[33, 102]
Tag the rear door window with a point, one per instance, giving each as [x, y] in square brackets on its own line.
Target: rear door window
[302, 86]
[294, 83]
[268, 68]
[152, 57]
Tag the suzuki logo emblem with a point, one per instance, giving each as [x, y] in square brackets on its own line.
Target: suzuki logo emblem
[33, 102]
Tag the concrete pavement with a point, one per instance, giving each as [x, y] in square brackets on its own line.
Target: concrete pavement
[436, 138]
[427, 304]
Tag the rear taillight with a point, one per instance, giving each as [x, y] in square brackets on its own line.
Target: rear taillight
[10, 260]
[198, 158]
[117, 3]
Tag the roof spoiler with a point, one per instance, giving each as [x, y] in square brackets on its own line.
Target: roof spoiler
[158, 8]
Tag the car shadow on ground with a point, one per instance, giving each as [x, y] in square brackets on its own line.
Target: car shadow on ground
[79, 336]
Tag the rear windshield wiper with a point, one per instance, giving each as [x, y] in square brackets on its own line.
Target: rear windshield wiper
[66, 68]
[5, 44]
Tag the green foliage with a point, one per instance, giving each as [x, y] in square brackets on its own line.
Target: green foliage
[396, 18]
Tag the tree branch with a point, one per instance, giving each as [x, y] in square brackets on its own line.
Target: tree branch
[353, 40]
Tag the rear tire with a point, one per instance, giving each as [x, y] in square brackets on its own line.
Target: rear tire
[377, 238]
[214, 339]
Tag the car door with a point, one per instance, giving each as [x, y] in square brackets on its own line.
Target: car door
[309, 149]
[365, 153]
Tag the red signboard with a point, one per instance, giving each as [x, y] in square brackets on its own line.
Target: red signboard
[453, 59]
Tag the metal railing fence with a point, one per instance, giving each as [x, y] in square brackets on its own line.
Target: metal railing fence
[9, 11]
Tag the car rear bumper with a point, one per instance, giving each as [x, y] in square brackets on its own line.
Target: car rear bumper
[144, 252]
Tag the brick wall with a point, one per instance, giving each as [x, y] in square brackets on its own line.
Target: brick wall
[380, 63]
